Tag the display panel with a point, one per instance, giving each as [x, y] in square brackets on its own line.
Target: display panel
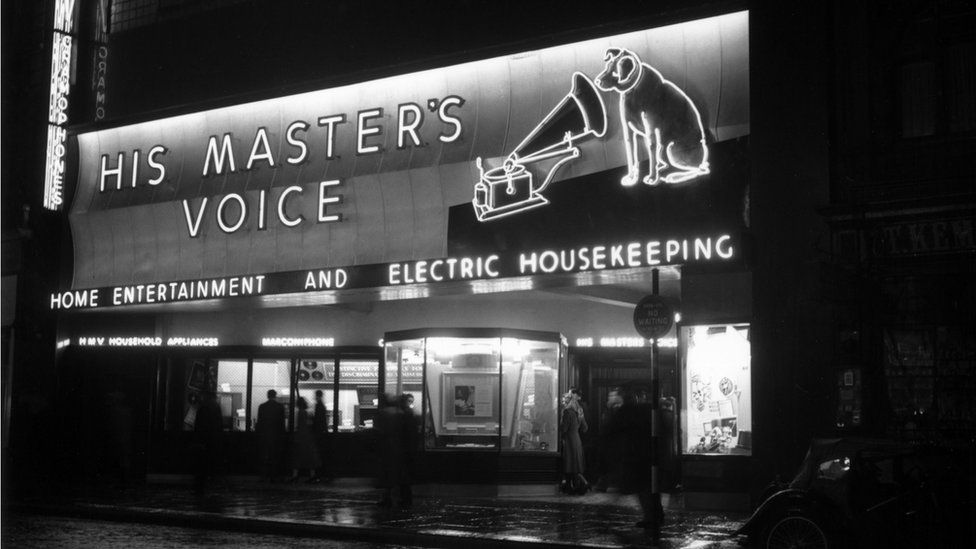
[530, 377]
[318, 374]
[716, 413]
[358, 397]
[405, 370]
[231, 389]
[462, 387]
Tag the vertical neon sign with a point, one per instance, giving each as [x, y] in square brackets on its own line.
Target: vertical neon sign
[58, 105]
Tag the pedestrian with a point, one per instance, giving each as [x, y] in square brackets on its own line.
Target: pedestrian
[633, 427]
[608, 450]
[411, 434]
[207, 427]
[304, 451]
[390, 432]
[320, 429]
[667, 445]
[270, 431]
[572, 425]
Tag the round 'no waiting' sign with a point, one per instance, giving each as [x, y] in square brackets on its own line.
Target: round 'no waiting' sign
[653, 317]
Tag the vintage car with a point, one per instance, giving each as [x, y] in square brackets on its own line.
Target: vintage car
[853, 492]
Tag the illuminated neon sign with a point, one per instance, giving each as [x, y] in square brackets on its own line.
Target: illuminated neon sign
[656, 117]
[57, 116]
[298, 341]
[144, 341]
[617, 342]
[123, 170]
[408, 279]
[511, 188]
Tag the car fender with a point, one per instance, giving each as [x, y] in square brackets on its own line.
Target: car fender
[782, 502]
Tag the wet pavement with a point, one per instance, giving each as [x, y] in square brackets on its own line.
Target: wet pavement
[46, 532]
[349, 512]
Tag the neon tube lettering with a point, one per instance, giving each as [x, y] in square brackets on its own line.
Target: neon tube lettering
[363, 131]
[194, 227]
[260, 139]
[221, 210]
[330, 123]
[111, 172]
[449, 118]
[226, 153]
[326, 200]
[405, 128]
[281, 207]
[151, 159]
[295, 142]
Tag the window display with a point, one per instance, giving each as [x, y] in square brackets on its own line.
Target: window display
[717, 385]
[317, 374]
[267, 375]
[480, 393]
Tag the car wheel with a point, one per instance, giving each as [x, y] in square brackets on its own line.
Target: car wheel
[795, 532]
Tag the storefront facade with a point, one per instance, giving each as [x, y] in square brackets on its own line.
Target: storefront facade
[473, 234]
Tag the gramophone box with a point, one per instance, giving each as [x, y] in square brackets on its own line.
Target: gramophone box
[499, 187]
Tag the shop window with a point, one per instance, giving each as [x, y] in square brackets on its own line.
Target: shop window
[462, 392]
[405, 370]
[186, 381]
[480, 393]
[231, 387]
[268, 375]
[529, 395]
[716, 413]
[358, 397]
[318, 374]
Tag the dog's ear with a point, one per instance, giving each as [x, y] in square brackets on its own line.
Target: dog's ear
[611, 54]
[628, 69]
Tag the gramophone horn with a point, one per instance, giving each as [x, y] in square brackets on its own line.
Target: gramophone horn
[579, 115]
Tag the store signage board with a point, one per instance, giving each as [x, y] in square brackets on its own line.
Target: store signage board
[598, 258]
[371, 173]
[61, 62]
[653, 317]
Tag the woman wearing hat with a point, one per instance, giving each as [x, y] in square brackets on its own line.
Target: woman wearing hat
[572, 424]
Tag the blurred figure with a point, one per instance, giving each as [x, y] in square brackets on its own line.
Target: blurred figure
[411, 435]
[320, 429]
[392, 435]
[608, 450]
[667, 446]
[633, 428]
[270, 431]
[304, 453]
[206, 448]
[572, 424]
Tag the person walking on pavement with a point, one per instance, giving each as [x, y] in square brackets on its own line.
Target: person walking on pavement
[206, 449]
[304, 452]
[572, 424]
[270, 430]
[320, 429]
[633, 428]
[608, 450]
[411, 434]
[390, 431]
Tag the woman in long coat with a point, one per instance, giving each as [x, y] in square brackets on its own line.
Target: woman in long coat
[572, 424]
[304, 453]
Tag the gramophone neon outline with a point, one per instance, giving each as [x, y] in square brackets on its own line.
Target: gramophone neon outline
[585, 121]
[590, 123]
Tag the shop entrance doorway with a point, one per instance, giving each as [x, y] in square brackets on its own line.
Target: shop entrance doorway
[597, 372]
